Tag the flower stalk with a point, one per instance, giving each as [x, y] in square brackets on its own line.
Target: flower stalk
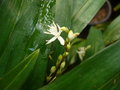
[60, 66]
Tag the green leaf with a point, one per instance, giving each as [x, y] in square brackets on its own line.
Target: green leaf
[114, 82]
[76, 14]
[8, 18]
[38, 75]
[16, 77]
[95, 40]
[38, 40]
[92, 73]
[22, 25]
[18, 20]
[113, 31]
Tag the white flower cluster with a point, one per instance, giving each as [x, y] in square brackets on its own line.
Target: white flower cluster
[56, 31]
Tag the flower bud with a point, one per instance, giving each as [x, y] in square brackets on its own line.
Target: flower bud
[60, 57]
[59, 72]
[65, 29]
[59, 60]
[48, 78]
[68, 46]
[62, 65]
[65, 54]
[53, 69]
[72, 35]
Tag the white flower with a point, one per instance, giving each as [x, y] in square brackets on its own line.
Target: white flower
[81, 52]
[55, 30]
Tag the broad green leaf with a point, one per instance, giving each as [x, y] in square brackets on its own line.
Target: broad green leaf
[85, 13]
[95, 40]
[18, 20]
[17, 76]
[113, 31]
[38, 40]
[92, 74]
[38, 75]
[62, 13]
[113, 84]
[76, 14]
[22, 25]
[8, 19]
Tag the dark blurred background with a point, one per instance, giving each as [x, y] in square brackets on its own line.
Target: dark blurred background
[115, 3]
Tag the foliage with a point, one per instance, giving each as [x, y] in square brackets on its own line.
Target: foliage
[22, 27]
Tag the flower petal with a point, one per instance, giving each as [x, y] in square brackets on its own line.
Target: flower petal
[58, 26]
[71, 35]
[54, 26]
[51, 40]
[59, 29]
[47, 32]
[61, 40]
[53, 31]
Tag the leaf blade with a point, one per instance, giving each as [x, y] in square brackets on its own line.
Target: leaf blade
[95, 40]
[97, 71]
[112, 33]
[76, 16]
[16, 77]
